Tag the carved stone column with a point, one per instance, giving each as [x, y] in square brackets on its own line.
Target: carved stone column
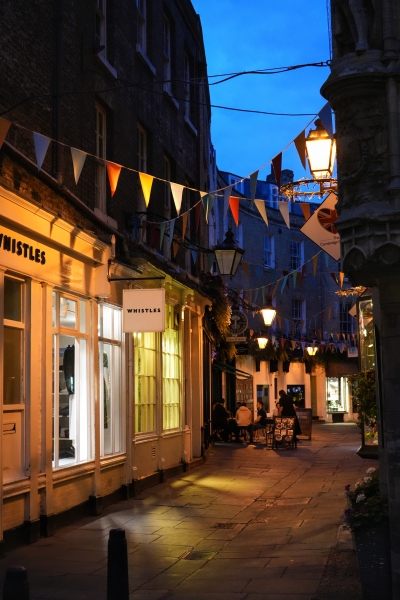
[364, 91]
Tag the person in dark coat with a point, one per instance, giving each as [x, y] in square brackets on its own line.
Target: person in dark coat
[286, 408]
[219, 419]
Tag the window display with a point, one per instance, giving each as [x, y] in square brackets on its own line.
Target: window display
[145, 381]
[110, 370]
[366, 334]
[337, 394]
[71, 407]
[172, 370]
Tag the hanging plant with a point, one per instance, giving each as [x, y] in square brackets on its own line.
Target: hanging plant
[220, 313]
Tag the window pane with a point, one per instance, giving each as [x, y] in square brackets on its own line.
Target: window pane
[145, 381]
[171, 357]
[64, 401]
[67, 313]
[12, 365]
[12, 299]
[54, 310]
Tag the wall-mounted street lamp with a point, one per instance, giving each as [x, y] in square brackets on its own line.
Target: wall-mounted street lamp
[269, 313]
[262, 342]
[312, 350]
[321, 152]
[228, 255]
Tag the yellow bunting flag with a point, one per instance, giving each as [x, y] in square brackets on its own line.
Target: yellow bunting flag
[146, 181]
[113, 171]
[184, 224]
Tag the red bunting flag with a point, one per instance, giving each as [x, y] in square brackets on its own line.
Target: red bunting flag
[277, 167]
[234, 205]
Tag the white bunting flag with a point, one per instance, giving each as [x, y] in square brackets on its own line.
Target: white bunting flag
[78, 160]
[284, 208]
[177, 191]
[41, 145]
[261, 209]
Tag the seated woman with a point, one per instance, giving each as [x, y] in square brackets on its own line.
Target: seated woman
[244, 420]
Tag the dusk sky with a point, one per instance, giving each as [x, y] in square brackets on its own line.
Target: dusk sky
[260, 34]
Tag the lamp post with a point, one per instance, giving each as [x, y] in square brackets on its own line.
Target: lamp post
[228, 254]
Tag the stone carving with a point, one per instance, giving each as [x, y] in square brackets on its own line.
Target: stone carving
[355, 25]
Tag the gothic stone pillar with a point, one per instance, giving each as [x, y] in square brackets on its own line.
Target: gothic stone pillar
[364, 91]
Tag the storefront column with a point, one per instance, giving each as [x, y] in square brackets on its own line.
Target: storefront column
[47, 512]
[1, 403]
[195, 321]
[187, 453]
[95, 500]
[34, 405]
[129, 407]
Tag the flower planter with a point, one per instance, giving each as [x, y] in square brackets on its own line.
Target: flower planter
[373, 556]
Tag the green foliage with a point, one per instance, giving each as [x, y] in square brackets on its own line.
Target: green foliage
[220, 314]
[366, 507]
[363, 389]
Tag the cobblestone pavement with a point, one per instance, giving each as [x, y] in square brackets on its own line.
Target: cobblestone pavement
[250, 524]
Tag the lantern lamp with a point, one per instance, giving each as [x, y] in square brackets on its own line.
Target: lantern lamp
[269, 313]
[321, 152]
[228, 255]
[262, 342]
[311, 350]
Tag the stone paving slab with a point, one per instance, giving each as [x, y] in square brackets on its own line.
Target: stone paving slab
[284, 508]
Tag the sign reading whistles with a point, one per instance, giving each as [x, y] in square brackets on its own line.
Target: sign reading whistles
[21, 248]
[143, 310]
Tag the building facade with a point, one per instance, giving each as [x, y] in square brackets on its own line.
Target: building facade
[283, 265]
[91, 414]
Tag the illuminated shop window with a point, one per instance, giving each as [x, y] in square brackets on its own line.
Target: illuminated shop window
[145, 351]
[110, 371]
[72, 422]
[172, 371]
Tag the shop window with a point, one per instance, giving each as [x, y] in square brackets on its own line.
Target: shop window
[110, 371]
[14, 330]
[145, 351]
[172, 370]
[366, 334]
[72, 422]
[337, 394]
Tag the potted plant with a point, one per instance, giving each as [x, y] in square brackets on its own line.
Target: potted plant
[363, 389]
[367, 517]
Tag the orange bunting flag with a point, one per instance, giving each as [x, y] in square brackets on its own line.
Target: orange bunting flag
[4, 127]
[329, 312]
[315, 264]
[146, 181]
[341, 277]
[234, 205]
[175, 247]
[113, 171]
[184, 224]
[305, 207]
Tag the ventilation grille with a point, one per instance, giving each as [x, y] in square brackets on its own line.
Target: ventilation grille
[153, 452]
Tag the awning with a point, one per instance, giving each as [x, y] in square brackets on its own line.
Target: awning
[220, 366]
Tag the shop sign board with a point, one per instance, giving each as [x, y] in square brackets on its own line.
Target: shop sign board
[143, 310]
[304, 416]
[238, 323]
[321, 229]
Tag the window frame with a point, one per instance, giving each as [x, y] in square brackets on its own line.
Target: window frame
[346, 324]
[101, 20]
[269, 251]
[172, 318]
[141, 6]
[167, 54]
[156, 384]
[296, 260]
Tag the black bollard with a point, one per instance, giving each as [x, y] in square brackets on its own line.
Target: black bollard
[117, 566]
[16, 585]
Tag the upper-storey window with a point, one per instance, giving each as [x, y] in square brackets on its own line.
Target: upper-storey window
[346, 320]
[167, 56]
[100, 181]
[188, 68]
[100, 28]
[142, 25]
[269, 252]
[296, 255]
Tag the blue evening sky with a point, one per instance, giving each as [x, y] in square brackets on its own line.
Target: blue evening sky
[259, 34]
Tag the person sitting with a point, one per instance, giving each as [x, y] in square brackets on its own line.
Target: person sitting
[219, 420]
[261, 419]
[244, 419]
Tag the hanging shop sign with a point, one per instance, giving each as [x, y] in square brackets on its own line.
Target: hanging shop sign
[143, 310]
[321, 229]
[238, 323]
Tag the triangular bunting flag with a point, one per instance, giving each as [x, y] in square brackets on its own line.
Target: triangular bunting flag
[251, 296]
[277, 167]
[234, 205]
[41, 145]
[78, 160]
[284, 208]
[260, 204]
[329, 312]
[275, 289]
[300, 143]
[279, 319]
[210, 202]
[315, 264]
[162, 232]
[245, 266]
[284, 283]
[341, 277]
[326, 256]
[205, 199]
[227, 195]
[4, 127]
[146, 182]
[194, 256]
[253, 186]
[325, 114]
[256, 295]
[177, 191]
[210, 258]
[305, 207]
[184, 224]
[175, 247]
[294, 279]
[113, 171]
[171, 231]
